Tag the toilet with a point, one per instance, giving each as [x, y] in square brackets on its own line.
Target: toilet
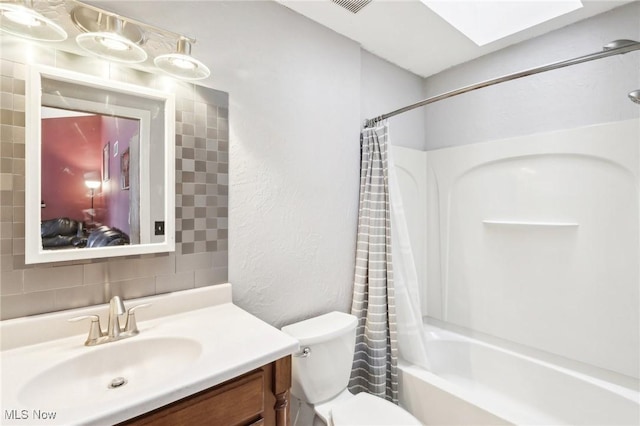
[321, 372]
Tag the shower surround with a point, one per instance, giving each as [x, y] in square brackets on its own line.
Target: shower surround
[532, 258]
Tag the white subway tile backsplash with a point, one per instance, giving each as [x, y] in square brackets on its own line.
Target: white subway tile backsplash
[27, 304]
[76, 297]
[39, 279]
[194, 261]
[11, 282]
[204, 277]
[175, 282]
[131, 289]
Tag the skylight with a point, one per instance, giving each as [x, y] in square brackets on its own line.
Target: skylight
[485, 21]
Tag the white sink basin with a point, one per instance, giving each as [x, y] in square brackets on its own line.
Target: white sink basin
[132, 364]
[189, 341]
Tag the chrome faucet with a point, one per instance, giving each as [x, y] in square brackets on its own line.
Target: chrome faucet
[114, 330]
[116, 308]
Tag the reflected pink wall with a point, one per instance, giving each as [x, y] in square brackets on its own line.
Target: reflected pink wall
[70, 148]
[73, 146]
[116, 199]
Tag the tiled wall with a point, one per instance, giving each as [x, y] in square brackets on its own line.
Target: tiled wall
[202, 164]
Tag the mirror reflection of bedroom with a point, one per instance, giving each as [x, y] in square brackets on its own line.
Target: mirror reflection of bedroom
[86, 176]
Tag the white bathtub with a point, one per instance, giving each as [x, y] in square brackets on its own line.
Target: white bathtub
[474, 383]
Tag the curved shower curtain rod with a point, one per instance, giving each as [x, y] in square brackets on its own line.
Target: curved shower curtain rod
[617, 47]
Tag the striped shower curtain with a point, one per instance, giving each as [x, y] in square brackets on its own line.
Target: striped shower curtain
[375, 361]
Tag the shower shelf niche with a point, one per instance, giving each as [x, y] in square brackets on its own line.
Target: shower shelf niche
[530, 223]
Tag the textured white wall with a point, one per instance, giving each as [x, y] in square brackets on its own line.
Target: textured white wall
[295, 116]
[294, 163]
[590, 93]
[386, 87]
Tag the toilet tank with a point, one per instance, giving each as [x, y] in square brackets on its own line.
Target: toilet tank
[325, 371]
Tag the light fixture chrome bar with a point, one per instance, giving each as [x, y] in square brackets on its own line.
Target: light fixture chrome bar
[183, 46]
[617, 47]
[124, 21]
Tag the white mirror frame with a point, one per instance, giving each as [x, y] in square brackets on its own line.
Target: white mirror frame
[34, 252]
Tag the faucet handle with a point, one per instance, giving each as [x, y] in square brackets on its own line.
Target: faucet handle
[132, 327]
[95, 331]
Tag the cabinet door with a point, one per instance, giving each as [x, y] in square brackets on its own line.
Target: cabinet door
[258, 398]
[238, 402]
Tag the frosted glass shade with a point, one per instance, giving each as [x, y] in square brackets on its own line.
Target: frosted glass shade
[111, 46]
[23, 22]
[182, 66]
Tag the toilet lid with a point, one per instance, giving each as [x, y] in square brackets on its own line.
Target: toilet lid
[367, 410]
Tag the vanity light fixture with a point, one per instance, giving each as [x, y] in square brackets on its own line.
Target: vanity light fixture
[181, 64]
[23, 21]
[104, 34]
[107, 39]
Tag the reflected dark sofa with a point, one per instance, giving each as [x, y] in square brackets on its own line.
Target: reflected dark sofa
[65, 232]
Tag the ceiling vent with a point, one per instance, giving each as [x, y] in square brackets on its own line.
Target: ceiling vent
[353, 6]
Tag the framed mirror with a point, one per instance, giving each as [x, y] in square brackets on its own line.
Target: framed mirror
[100, 160]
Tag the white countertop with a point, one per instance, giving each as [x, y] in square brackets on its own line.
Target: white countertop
[230, 341]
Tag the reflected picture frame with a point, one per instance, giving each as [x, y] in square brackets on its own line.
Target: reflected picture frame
[124, 170]
[106, 162]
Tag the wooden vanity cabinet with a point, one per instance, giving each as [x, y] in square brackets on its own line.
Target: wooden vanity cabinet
[259, 397]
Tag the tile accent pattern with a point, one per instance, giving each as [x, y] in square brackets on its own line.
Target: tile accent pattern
[202, 187]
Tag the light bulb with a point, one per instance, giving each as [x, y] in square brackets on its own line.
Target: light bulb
[185, 64]
[112, 44]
